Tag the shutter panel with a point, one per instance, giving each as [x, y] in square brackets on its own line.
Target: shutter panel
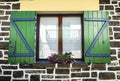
[96, 37]
[22, 37]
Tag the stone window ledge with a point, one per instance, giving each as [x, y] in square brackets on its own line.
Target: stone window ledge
[51, 65]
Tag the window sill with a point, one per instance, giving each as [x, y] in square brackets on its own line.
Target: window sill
[48, 62]
[52, 65]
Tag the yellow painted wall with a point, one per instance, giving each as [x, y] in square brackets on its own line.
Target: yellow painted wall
[59, 5]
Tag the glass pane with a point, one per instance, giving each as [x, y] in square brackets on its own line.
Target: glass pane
[48, 36]
[71, 28]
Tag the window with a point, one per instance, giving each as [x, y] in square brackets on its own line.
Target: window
[59, 34]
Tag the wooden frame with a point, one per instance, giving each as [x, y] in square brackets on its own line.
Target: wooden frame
[59, 33]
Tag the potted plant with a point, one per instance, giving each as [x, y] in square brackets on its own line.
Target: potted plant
[63, 59]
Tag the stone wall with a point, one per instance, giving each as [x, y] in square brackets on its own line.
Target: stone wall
[58, 72]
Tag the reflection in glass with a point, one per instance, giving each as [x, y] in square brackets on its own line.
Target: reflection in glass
[48, 36]
[71, 28]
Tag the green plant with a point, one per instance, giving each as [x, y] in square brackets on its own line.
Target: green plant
[64, 59]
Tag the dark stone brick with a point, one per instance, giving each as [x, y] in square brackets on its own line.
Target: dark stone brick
[111, 38]
[89, 79]
[109, 7]
[18, 74]
[75, 75]
[62, 76]
[104, 1]
[110, 17]
[119, 54]
[4, 18]
[16, 6]
[47, 76]
[116, 5]
[113, 58]
[6, 38]
[113, 51]
[117, 9]
[114, 68]
[106, 75]
[0, 70]
[35, 78]
[1, 55]
[76, 80]
[5, 23]
[117, 35]
[62, 71]
[86, 69]
[8, 3]
[37, 66]
[114, 2]
[5, 29]
[4, 7]
[114, 23]
[4, 33]
[119, 61]
[116, 17]
[94, 74]
[111, 31]
[98, 67]
[1, 12]
[50, 80]
[7, 72]
[83, 66]
[34, 71]
[6, 52]
[80, 75]
[64, 66]
[112, 13]
[116, 29]
[1, 38]
[9, 67]
[4, 45]
[115, 44]
[3, 61]
[26, 75]
[5, 78]
[101, 7]
[20, 80]
[8, 0]
[119, 4]
[79, 65]
[76, 70]
[8, 12]
[118, 76]
[50, 71]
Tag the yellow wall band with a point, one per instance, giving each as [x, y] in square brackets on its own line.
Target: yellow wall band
[59, 5]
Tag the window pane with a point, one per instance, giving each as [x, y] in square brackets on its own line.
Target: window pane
[71, 28]
[48, 36]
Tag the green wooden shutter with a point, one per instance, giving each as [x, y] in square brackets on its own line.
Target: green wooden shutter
[96, 37]
[22, 37]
